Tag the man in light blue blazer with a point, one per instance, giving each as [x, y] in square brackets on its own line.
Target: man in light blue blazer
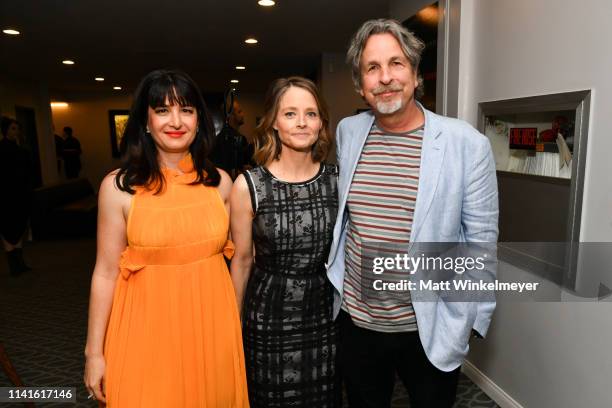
[406, 175]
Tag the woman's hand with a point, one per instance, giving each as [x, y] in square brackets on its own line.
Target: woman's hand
[95, 367]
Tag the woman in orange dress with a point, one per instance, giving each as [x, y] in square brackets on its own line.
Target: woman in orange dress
[163, 324]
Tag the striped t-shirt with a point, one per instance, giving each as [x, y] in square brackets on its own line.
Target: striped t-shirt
[381, 204]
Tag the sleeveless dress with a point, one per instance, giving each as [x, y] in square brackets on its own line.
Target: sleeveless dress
[174, 336]
[290, 338]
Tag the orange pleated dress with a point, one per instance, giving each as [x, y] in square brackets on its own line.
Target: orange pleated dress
[174, 337]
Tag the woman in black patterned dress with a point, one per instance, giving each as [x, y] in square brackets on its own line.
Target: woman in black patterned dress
[287, 207]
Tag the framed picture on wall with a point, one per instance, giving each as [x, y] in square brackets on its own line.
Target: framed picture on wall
[117, 119]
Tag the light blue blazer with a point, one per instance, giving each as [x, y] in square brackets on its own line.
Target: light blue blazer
[456, 202]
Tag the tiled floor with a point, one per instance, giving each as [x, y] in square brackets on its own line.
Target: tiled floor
[43, 318]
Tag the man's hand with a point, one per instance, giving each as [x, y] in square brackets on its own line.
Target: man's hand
[476, 335]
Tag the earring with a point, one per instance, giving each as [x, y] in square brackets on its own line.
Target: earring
[147, 131]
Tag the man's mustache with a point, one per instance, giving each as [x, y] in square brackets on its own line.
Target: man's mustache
[386, 88]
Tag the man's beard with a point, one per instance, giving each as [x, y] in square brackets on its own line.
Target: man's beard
[392, 106]
[387, 108]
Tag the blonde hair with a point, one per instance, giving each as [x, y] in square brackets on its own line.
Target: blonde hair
[267, 143]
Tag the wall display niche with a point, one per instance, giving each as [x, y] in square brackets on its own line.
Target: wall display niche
[539, 144]
[117, 119]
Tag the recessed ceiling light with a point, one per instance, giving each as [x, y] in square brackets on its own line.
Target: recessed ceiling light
[266, 3]
[117, 88]
[240, 67]
[99, 79]
[68, 62]
[251, 41]
[59, 104]
[234, 81]
[10, 31]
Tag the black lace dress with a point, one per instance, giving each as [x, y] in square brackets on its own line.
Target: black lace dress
[290, 338]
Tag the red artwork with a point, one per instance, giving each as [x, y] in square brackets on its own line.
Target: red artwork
[523, 138]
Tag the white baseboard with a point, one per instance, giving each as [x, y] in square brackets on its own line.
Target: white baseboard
[488, 386]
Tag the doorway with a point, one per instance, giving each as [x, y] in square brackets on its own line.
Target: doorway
[424, 24]
[29, 140]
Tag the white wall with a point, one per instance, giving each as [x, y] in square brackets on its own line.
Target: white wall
[554, 354]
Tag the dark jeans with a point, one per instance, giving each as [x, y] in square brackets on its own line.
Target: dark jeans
[370, 361]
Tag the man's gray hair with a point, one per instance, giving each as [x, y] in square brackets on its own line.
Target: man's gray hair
[410, 44]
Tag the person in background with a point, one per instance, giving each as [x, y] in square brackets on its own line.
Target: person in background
[15, 205]
[71, 154]
[286, 208]
[232, 151]
[236, 117]
[164, 329]
[59, 150]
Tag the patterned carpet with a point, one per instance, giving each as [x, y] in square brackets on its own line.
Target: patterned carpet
[43, 316]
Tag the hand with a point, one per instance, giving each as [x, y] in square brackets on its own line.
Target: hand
[476, 335]
[95, 367]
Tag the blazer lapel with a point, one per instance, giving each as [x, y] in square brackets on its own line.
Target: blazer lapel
[354, 153]
[353, 144]
[432, 155]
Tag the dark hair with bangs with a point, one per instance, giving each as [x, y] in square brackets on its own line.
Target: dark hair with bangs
[139, 162]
